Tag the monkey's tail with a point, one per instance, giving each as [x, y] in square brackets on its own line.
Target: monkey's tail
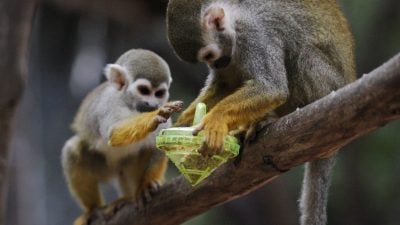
[314, 194]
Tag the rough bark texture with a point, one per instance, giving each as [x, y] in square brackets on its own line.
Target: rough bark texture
[15, 26]
[312, 132]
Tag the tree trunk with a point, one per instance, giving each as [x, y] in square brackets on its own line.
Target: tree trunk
[15, 27]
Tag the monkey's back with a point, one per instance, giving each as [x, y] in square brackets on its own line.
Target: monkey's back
[85, 124]
[309, 28]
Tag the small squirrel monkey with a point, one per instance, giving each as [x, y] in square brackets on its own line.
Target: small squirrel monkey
[115, 131]
[264, 56]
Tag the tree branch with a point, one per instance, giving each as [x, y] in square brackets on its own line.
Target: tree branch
[15, 26]
[314, 131]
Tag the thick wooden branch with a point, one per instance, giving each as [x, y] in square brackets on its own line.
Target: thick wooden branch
[314, 131]
[15, 26]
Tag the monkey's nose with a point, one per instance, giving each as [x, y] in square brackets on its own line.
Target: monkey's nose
[146, 106]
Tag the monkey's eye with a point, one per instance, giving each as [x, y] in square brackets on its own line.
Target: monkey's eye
[160, 93]
[143, 90]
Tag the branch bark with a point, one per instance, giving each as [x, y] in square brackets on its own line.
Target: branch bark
[314, 131]
[15, 26]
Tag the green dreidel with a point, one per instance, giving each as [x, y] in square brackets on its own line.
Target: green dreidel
[181, 147]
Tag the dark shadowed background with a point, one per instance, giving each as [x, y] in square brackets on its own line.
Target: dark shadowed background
[73, 40]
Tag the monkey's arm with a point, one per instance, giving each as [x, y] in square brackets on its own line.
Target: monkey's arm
[265, 89]
[248, 104]
[136, 128]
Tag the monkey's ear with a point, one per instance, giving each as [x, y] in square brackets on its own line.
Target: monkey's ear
[117, 75]
[215, 18]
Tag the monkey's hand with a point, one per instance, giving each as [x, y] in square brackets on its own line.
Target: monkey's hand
[137, 127]
[166, 111]
[215, 130]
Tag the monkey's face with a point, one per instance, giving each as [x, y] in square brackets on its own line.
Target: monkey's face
[144, 97]
[218, 36]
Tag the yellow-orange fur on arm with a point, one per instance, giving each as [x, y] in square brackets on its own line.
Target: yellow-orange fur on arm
[136, 128]
[243, 107]
[133, 129]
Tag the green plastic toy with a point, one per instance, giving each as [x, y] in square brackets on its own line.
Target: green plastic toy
[181, 147]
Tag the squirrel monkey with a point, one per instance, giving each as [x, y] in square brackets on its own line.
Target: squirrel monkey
[115, 130]
[264, 57]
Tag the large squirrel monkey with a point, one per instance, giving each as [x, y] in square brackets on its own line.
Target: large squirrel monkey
[264, 56]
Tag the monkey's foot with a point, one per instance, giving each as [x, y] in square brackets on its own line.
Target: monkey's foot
[146, 193]
[215, 131]
[255, 128]
[82, 219]
[115, 206]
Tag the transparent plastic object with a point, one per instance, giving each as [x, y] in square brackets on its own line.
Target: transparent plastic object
[181, 147]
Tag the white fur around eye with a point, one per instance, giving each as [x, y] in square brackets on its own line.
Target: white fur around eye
[142, 81]
[133, 88]
[163, 86]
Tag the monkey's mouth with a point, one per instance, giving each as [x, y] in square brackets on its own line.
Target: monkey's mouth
[145, 107]
[222, 62]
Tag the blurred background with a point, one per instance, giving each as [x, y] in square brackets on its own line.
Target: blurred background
[73, 40]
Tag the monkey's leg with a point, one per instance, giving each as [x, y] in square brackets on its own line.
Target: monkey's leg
[82, 183]
[137, 127]
[84, 187]
[131, 170]
[153, 176]
[140, 177]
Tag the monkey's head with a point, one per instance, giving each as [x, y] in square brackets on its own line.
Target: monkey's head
[202, 31]
[141, 78]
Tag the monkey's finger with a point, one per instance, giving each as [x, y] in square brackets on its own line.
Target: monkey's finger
[154, 187]
[205, 149]
[176, 106]
[139, 202]
[169, 108]
[147, 195]
[157, 120]
[215, 143]
[197, 129]
[165, 112]
[160, 119]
